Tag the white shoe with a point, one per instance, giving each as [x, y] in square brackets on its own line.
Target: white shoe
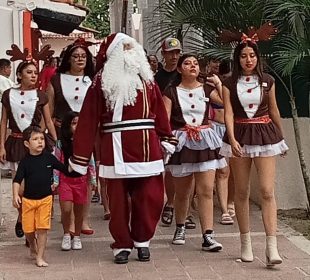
[76, 243]
[66, 243]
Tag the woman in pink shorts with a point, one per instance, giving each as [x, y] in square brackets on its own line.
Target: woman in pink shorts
[72, 190]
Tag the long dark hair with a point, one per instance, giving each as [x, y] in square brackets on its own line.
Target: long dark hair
[178, 78]
[237, 69]
[66, 134]
[65, 62]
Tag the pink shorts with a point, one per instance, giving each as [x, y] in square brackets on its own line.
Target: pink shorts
[73, 189]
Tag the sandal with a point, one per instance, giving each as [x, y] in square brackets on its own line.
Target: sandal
[167, 216]
[95, 198]
[226, 219]
[19, 229]
[231, 210]
[106, 216]
[189, 223]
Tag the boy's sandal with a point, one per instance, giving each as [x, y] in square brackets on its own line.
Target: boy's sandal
[106, 216]
[19, 229]
[231, 210]
[95, 198]
[167, 215]
[189, 223]
[226, 219]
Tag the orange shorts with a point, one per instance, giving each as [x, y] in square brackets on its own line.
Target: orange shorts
[36, 213]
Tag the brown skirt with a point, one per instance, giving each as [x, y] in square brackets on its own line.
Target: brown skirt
[187, 155]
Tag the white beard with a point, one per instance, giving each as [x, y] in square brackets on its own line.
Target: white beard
[123, 74]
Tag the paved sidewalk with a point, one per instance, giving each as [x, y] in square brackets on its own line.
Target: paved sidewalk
[168, 261]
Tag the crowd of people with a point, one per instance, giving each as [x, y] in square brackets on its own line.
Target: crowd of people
[197, 125]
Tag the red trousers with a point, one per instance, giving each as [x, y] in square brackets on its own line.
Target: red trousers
[138, 221]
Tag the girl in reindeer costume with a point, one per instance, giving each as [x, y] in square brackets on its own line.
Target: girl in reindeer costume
[254, 134]
[22, 106]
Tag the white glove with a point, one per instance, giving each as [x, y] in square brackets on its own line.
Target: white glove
[169, 149]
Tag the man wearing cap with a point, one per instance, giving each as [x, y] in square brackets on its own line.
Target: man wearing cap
[127, 105]
[170, 50]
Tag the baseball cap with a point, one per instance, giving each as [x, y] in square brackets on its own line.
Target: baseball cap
[171, 44]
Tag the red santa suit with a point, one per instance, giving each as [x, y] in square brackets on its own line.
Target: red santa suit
[131, 157]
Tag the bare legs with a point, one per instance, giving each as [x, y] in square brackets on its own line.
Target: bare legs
[241, 168]
[222, 176]
[37, 246]
[169, 188]
[104, 198]
[41, 243]
[204, 187]
[85, 225]
[31, 238]
[266, 176]
[182, 196]
[66, 210]
[265, 167]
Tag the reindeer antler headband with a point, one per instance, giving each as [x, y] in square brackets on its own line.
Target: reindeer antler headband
[80, 43]
[264, 33]
[25, 56]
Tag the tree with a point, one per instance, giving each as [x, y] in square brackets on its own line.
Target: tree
[98, 18]
[290, 50]
[291, 57]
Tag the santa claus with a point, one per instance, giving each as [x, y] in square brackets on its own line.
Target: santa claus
[126, 106]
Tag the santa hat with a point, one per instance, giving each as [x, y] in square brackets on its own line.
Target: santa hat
[107, 47]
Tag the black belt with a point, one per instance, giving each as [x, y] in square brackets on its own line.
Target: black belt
[137, 124]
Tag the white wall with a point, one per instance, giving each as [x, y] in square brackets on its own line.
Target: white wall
[290, 191]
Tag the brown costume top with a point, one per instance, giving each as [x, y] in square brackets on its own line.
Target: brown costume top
[129, 135]
[253, 133]
[24, 108]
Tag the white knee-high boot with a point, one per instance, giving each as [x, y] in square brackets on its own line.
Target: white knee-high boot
[246, 247]
[272, 254]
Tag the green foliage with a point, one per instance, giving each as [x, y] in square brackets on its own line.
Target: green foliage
[98, 18]
[204, 19]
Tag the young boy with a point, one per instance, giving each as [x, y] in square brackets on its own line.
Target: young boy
[36, 169]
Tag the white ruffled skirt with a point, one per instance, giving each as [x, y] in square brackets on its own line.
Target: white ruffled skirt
[253, 151]
[207, 146]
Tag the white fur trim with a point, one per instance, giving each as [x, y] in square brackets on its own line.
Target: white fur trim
[141, 244]
[23, 113]
[78, 168]
[118, 38]
[117, 251]
[132, 170]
